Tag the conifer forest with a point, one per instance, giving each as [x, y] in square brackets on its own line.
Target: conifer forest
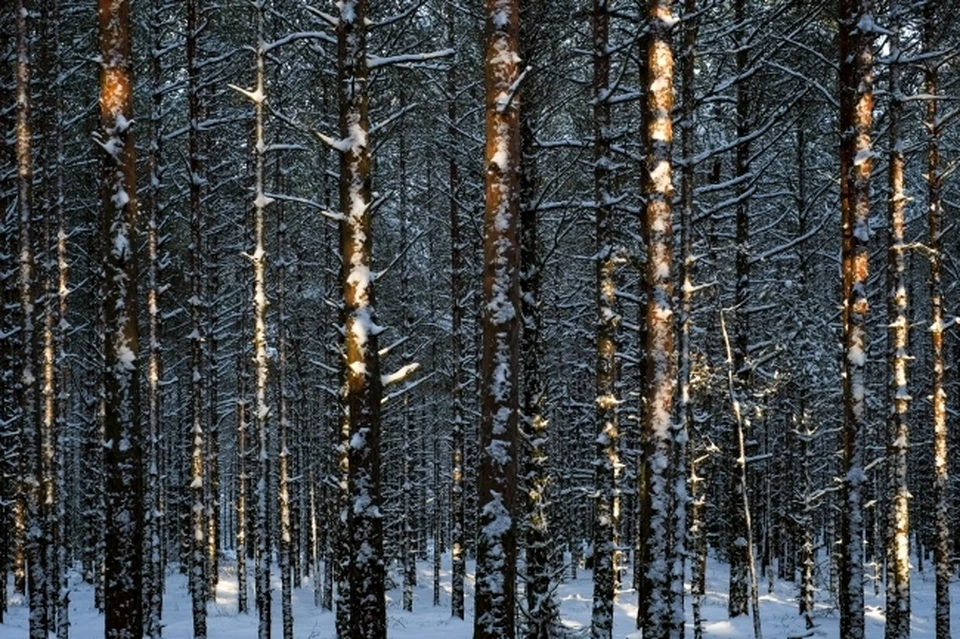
[503, 319]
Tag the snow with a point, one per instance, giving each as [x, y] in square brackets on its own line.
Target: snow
[126, 357]
[778, 609]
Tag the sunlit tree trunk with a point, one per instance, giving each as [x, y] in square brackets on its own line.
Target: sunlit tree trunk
[55, 364]
[197, 301]
[153, 572]
[284, 434]
[122, 437]
[696, 536]
[941, 498]
[363, 387]
[856, 122]
[211, 482]
[495, 608]
[261, 359]
[241, 477]
[898, 395]
[664, 497]
[607, 465]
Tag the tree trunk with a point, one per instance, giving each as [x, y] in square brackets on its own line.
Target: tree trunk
[606, 480]
[856, 121]
[197, 301]
[941, 498]
[153, 573]
[31, 432]
[122, 438]
[898, 395]
[542, 615]
[696, 536]
[664, 498]
[362, 388]
[497, 477]
[458, 568]
[285, 444]
[737, 549]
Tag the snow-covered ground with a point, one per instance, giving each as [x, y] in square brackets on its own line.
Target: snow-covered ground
[778, 611]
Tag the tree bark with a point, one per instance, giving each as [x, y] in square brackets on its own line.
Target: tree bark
[941, 498]
[664, 498]
[122, 438]
[497, 477]
[363, 387]
[898, 395]
[607, 466]
[856, 121]
[197, 568]
[458, 568]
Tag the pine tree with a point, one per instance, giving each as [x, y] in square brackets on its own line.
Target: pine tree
[941, 501]
[497, 476]
[362, 386]
[122, 438]
[663, 498]
[856, 122]
[898, 395]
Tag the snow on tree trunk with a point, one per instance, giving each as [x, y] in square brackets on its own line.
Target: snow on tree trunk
[495, 607]
[363, 386]
[737, 548]
[607, 465]
[153, 572]
[283, 480]
[696, 535]
[243, 387]
[941, 492]
[261, 360]
[123, 559]
[664, 497]
[197, 564]
[457, 381]
[541, 614]
[856, 159]
[898, 395]
[29, 384]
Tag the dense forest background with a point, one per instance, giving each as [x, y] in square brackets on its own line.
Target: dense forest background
[197, 199]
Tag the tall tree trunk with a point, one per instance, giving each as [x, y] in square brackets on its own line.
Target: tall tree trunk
[261, 360]
[737, 549]
[856, 121]
[197, 301]
[283, 480]
[607, 466]
[153, 573]
[497, 477]
[243, 388]
[696, 536]
[363, 387]
[30, 427]
[941, 498]
[458, 560]
[664, 497]
[542, 615]
[898, 394]
[211, 482]
[123, 566]
[8, 292]
[408, 542]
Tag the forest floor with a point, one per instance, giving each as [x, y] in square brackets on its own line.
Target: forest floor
[778, 611]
